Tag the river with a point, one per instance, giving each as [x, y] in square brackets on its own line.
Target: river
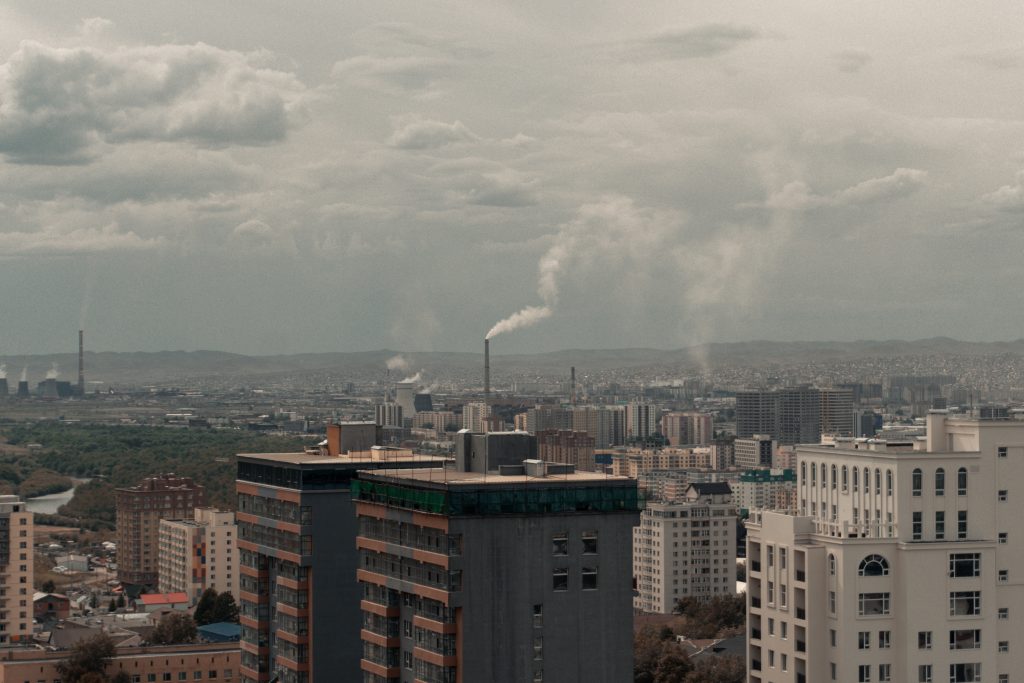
[48, 504]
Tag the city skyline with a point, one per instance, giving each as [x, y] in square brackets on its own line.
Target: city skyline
[359, 177]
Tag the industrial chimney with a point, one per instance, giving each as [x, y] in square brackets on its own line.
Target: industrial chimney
[81, 363]
[4, 390]
[487, 370]
[572, 385]
[23, 391]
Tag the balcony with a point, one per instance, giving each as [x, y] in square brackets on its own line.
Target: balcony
[801, 575]
[801, 613]
[755, 602]
[755, 633]
[755, 565]
[801, 646]
[755, 664]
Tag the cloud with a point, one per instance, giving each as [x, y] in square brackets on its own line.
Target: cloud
[421, 134]
[697, 42]
[52, 242]
[61, 106]
[1009, 198]
[393, 75]
[796, 195]
[852, 60]
[94, 26]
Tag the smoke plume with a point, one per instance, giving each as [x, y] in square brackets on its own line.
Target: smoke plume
[531, 315]
[415, 379]
[53, 372]
[3, 371]
[397, 363]
[24, 374]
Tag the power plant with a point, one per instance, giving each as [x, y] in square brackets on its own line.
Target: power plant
[51, 388]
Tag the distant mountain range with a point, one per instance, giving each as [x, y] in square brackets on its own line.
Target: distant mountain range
[164, 366]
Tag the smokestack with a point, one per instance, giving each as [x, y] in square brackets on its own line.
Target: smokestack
[487, 370]
[572, 385]
[23, 391]
[81, 363]
[4, 391]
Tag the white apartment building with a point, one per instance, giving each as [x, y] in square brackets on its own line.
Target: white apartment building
[200, 553]
[902, 564]
[474, 416]
[16, 570]
[685, 549]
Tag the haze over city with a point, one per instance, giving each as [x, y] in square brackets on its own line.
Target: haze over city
[354, 176]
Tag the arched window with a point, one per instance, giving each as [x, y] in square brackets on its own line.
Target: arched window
[803, 473]
[814, 474]
[867, 480]
[831, 565]
[846, 475]
[834, 476]
[940, 482]
[961, 481]
[888, 482]
[915, 482]
[856, 479]
[873, 565]
[878, 482]
[824, 476]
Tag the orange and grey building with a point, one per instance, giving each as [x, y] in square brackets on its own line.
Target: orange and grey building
[503, 575]
[16, 571]
[299, 599]
[139, 511]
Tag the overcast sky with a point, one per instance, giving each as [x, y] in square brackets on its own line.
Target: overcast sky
[269, 177]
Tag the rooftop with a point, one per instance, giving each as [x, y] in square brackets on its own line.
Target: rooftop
[374, 455]
[448, 477]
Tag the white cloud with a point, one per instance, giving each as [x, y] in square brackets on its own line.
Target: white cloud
[695, 42]
[419, 134]
[396, 75]
[1008, 197]
[83, 240]
[796, 195]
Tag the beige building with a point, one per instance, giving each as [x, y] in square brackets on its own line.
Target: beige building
[901, 564]
[685, 549]
[474, 415]
[209, 663]
[16, 570]
[567, 446]
[199, 553]
[633, 462]
[687, 428]
[139, 511]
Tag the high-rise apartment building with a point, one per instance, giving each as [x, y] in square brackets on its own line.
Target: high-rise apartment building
[474, 416]
[642, 420]
[16, 570]
[755, 451]
[607, 424]
[755, 413]
[567, 446]
[139, 511]
[388, 415]
[764, 488]
[837, 411]
[498, 577]
[685, 549]
[687, 429]
[299, 601]
[900, 565]
[199, 553]
[791, 415]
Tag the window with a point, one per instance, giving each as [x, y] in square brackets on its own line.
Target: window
[560, 544]
[1004, 678]
[940, 482]
[961, 481]
[924, 673]
[1004, 613]
[846, 477]
[915, 482]
[884, 640]
[917, 525]
[832, 602]
[589, 578]
[784, 633]
[961, 524]
[888, 482]
[964, 673]
[864, 640]
[589, 542]
[873, 604]
[1004, 575]
[771, 626]
[964, 565]
[965, 639]
[1003, 537]
[878, 482]
[940, 525]
[560, 579]
[803, 473]
[831, 565]
[782, 558]
[873, 565]
[856, 480]
[964, 603]
[833, 477]
[884, 672]
[1004, 646]
[824, 478]
[864, 673]
[814, 474]
[1001, 451]
[832, 637]
[538, 616]
[924, 640]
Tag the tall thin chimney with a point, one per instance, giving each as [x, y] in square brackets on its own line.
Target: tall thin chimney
[81, 363]
[572, 385]
[487, 370]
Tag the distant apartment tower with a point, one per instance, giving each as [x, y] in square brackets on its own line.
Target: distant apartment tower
[687, 429]
[199, 553]
[755, 413]
[567, 446]
[837, 411]
[299, 600]
[500, 577]
[16, 570]
[607, 424]
[139, 511]
[761, 488]
[474, 415]
[791, 415]
[642, 420]
[900, 565]
[685, 549]
[756, 451]
[388, 415]
[541, 418]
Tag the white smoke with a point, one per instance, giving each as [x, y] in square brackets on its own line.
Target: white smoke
[397, 363]
[531, 315]
[24, 374]
[3, 371]
[415, 379]
[53, 372]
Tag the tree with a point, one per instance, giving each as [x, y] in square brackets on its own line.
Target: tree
[94, 600]
[113, 605]
[721, 669]
[176, 627]
[658, 658]
[120, 600]
[225, 609]
[204, 608]
[49, 586]
[88, 660]
[121, 677]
